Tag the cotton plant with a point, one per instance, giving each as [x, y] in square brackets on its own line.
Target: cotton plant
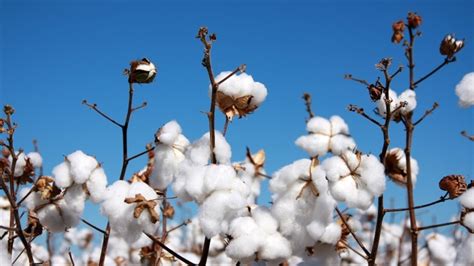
[220, 194]
[302, 203]
[169, 152]
[326, 136]
[238, 95]
[355, 178]
[256, 237]
[131, 209]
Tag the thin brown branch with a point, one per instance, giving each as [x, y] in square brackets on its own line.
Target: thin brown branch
[350, 77]
[465, 134]
[427, 112]
[162, 245]
[141, 153]
[93, 226]
[93, 106]
[356, 109]
[361, 245]
[23, 250]
[240, 69]
[188, 221]
[399, 70]
[226, 125]
[441, 199]
[354, 250]
[445, 62]
[421, 228]
[307, 103]
[7, 228]
[70, 258]
[143, 105]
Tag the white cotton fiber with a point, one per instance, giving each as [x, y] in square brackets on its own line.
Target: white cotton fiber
[275, 248]
[242, 85]
[218, 177]
[62, 175]
[409, 97]
[465, 90]
[81, 166]
[468, 221]
[465, 254]
[35, 159]
[96, 184]
[441, 249]
[169, 133]
[332, 234]
[393, 98]
[467, 198]
[20, 163]
[165, 165]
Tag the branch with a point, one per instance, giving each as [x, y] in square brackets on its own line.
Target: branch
[141, 153]
[94, 107]
[445, 62]
[188, 221]
[464, 133]
[181, 258]
[399, 70]
[427, 112]
[356, 109]
[307, 102]
[70, 257]
[352, 233]
[143, 105]
[350, 77]
[441, 199]
[93, 226]
[437, 225]
[354, 250]
[240, 69]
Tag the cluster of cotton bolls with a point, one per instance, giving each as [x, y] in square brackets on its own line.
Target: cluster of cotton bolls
[467, 202]
[239, 94]
[302, 205]
[255, 237]
[326, 136]
[355, 178]
[131, 209]
[465, 90]
[216, 188]
[402, 104]
[169, 152]
[77, 178]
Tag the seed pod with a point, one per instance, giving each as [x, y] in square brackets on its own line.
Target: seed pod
[455, 185]
[141, 71]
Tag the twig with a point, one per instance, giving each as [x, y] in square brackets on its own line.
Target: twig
[356, 109]
[27, 194]
[188, 221]
[427, 112]
[94, 107]
[421, 228]
[226, 125]
[441, 199]
[141, 153]
[93, 226]
[464, 133]
[241, 69]
[23, 250]
[354, 250]
[162, 245]
[399, 70]
[143, 105]
[307, 102]
[361, 245]
[350, 77]
[70, 257]
[445, 62]
[7, 228]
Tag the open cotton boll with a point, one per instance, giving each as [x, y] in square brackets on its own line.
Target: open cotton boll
[199, 152]
[441, 249]
[275, 248]
[381, 108]
[165, 165]
[465, 256]
[169, 133]
[96, 184]
[467, 198]
[81, 166]
[62, 175]
[35, 159]
[319, 125]
[465, 90]
[289, 174]
[33, 200]
[242, 85]
[332, 234]
[468, 221]
[372, 174]
[409, 97]
[20, 163]
[315, 145]
[218, 177]
[264, 219]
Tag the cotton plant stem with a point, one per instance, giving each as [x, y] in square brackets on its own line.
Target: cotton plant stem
[359, 242]
[125, 161]
[421, 228]
[441, 199]
[386, 142]
[408, 144]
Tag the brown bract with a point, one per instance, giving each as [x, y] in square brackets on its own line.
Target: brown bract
[257, 160]
[398, 28]
[375, 92]
[414, 20]
[143, 204]
[392, 169]
[232, 106]
[341, 245]
[34, 227]
[45, 186]
[455, 185]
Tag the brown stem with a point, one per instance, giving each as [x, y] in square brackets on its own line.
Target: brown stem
[307, 102]
[350, 77]
[361, 245]
[172, 252]
[421, 228]
[70, 258]
[141, 153]
[441, 199]
[445, 62]
[93, 226]
[125, 161]
[408, 144]
[465, 134]
[356, 109]
[427, 112]
[226, 125]
[93, 106]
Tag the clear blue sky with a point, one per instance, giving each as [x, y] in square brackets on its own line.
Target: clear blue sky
[55, 54]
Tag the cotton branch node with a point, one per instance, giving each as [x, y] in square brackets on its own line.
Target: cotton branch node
[465, 134]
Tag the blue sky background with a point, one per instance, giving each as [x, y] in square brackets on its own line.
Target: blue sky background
[54, 54]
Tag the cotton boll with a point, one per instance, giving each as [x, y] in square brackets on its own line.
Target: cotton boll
[144, 220]
[343, 189]
[372, 174]
[81, 166]
[408, 96]
[465, 90]
[316, 230]
[265, 220]
[166, 164]
[118, 248]
[441, 249]
[20, 163]
[288, 174]
[169, 133]
[275, 249]
[381, 108]
[315, 145]
[35, 159]
[467, 198]
[40, 253]
[218, 177]
[465, 256]
[332, 234]
[340, 143]
[242, 85]
[96, 184]
[33, 200]
[222, 149]
[62, 175]
[468, 221]
[194, 181]
[319, 125]
[335, 167]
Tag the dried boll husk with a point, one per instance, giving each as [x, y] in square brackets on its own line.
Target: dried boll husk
[414, 20]
[231, 106]
[455, 185]
[450, 46]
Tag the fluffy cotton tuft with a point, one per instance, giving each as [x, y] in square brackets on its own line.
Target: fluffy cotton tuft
[467, 198]
[441, 249]
[465, 90]
[242, 85]
[326, 136]
[407, 97]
